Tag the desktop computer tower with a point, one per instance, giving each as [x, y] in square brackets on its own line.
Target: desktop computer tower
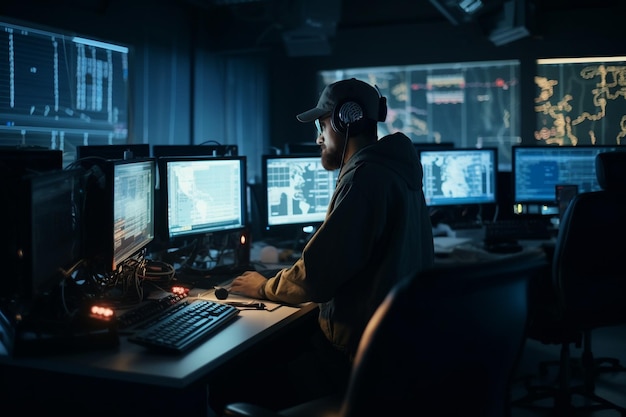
[220, 255]
[234, 247]
[242, 248]
[42, 237]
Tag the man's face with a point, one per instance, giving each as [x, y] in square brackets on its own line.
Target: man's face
[331, 144]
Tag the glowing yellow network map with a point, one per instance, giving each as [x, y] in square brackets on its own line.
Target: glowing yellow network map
[581, 103]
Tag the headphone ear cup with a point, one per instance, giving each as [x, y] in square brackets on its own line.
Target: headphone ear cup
[336, 123]
[346, 114]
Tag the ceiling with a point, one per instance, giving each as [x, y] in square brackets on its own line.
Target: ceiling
[379, 13]
[360, 13]
[269, 20]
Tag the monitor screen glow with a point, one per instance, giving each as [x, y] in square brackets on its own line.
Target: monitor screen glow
[459, 176]
[63, 90]
[538, 169]
[298, 190]
[133, 208]
[202, 195]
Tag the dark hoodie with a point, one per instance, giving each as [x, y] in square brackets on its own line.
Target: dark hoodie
[377, 231]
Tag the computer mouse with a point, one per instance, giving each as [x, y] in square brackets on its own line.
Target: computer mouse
[221, 293]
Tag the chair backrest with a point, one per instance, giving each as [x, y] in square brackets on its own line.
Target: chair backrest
[588, 266]
[446, 342]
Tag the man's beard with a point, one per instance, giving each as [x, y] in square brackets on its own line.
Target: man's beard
[331, 159]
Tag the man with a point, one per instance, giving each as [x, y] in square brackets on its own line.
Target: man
[377, 228]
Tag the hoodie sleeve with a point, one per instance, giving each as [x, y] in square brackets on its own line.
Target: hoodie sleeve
[287, 285]
[332, 253]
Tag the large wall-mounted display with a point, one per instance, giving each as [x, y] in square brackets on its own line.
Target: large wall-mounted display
[581, 101]
[472, 104]
[58, 90]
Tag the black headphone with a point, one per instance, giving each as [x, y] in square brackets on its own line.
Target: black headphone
[349, 113]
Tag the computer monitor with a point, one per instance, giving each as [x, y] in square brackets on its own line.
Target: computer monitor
[120, 151]
[459, 176]
[41, 235]
[25, 160]
[61, 89]
[432, 146]
[302, 148]
[119, 212]
[159, 151]
[538, 169]
[297, 191]
[201, 195]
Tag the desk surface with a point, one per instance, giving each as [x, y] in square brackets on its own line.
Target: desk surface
[134, 363]
[467, 246]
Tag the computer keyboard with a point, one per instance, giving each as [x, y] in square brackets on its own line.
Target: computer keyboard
[532, 229]
[149, 310]
[465, 225]
[183, 326]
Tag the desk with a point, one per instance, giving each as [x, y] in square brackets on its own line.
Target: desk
[130, 372]
[470, 248]
[157, 384]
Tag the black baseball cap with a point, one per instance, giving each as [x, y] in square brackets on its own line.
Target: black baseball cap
[352, 89]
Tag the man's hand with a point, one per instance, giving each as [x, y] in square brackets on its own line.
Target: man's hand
[248, 284]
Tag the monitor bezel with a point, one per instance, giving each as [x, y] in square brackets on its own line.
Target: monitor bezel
[212, 150]
[114, 151]
[433, 146]
[27, 160]
[303, 148]
[465, 202]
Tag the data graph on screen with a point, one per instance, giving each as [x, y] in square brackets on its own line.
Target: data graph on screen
[203, 194]
[59, 90]
[537, 170]
[459, 176]
[133, 208]
[470, 104]
[298, 190]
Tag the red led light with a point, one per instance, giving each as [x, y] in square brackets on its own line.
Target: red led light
[102, 312]
[179, 290]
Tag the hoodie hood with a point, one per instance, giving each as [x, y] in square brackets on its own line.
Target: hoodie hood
[396, 152]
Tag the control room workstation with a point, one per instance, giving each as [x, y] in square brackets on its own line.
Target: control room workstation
[141, 240]
[141, 233]
[139, 243]
[119, 260]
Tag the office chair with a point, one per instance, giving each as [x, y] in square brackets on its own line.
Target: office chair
[589, 282]
[443, 343]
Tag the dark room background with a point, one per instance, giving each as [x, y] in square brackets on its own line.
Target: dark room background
[225, 71]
